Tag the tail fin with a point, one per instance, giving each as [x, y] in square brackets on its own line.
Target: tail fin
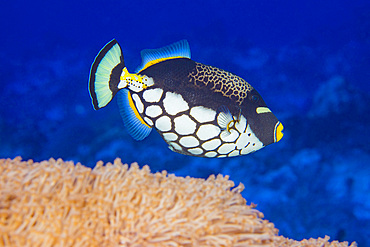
[105, 74]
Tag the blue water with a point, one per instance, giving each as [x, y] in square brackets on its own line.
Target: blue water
[310, 60]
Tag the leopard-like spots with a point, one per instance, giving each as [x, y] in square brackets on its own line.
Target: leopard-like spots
[221, 81]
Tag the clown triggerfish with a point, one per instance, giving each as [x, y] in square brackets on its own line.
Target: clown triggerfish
[198, 110]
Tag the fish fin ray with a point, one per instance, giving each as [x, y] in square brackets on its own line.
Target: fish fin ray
[150, 57]
[135, 126]
[105, 74]
[224, 117]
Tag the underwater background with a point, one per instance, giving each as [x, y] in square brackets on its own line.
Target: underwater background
[310, 61]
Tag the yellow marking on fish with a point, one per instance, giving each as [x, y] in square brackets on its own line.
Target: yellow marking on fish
[230, 125]
[131, 77]
[278, 132]
[260, 110]
[150, 63]
[133, 107]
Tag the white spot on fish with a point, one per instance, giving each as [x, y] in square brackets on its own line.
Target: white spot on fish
[148, 121]
[184, 125]
[152, 95]
[212, 144]
[208, 131]
[163, 123]
[148, 81]
[170, 136]
[195, 150]
[210, 154]
[174, 103]
[139, 105]
[153, 111]
[202, 114]
[135, 86]
[226, 148]
[243, 140]
[234, 153]
[241, 125]
[248, 142]
[231, 136]
[189, 141]
[252, 147]
[174, 145]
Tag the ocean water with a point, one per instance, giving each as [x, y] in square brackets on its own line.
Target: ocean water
[310, 60]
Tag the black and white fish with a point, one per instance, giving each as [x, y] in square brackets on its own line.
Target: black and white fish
[198, 110]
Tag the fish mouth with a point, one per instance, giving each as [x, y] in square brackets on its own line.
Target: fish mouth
[278, 132]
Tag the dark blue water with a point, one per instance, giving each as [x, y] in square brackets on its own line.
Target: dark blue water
[310, 60]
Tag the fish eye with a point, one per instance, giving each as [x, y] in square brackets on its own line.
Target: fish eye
[255, 98]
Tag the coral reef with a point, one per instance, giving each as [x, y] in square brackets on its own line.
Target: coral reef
[59, 203]
[336, 96]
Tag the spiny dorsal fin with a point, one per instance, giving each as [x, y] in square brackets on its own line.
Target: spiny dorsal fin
[150, 57]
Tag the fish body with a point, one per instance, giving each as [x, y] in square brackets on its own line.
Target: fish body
[199, 110]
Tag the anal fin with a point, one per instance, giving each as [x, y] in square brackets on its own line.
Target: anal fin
[132, 120]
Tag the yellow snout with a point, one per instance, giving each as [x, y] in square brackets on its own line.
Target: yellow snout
[278, 133]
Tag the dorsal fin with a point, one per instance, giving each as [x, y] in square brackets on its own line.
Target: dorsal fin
[150, 57]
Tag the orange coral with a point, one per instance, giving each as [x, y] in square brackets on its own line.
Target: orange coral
[57, 203]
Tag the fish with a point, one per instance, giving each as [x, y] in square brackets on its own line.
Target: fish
[198, 110]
